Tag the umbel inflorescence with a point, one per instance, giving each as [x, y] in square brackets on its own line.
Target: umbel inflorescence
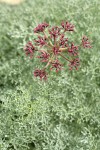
[52, 45]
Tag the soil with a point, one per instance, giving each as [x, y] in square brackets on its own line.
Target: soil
[12, 2]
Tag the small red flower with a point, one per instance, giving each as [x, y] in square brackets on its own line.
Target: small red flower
[44, 56]
[63, 41]
[74, 63]
[56, 50]
[54, 32]
[67, 26]
[29, 49]
[40, 73]
[57, 65]
[41, 27]
[85, 42]
[41, 41]
[73, 50]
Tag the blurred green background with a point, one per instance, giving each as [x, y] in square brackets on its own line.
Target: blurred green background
[64, 112]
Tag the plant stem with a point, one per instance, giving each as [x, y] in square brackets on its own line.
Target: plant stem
[64, 57]
[63, 49]
[45, 35]
[51, 44]
[47, 64]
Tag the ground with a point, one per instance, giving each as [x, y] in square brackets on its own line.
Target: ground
[13, 2]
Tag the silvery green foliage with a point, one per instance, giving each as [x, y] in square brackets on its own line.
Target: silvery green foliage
[62, 113]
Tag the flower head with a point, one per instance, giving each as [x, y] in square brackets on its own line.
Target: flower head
[40, 73]
[85, 42]
[41, 27]
[52, 45]
[56, 50]
[29, 49]
[73, 50]
[67, 26]
[41, 41]
[54, 32]
[57, 65]
[44, 56]
[74, 63]
[63, 41]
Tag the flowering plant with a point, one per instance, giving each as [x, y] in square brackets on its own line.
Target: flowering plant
[51, 44]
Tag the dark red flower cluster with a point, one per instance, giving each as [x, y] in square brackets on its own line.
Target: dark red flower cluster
[63, 41]
[53, 44]
[54, 32]
[44, 56]
[56, 50]
[85, 42]
[41, 41]
[67, 26]
[57, 65]
[40, 73]
[73, 50]
[74, 64]
[29, 49]
[41, 27]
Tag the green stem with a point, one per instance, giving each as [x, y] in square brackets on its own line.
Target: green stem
[64, 57]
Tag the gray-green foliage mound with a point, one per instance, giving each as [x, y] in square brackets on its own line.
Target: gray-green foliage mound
[64, 112]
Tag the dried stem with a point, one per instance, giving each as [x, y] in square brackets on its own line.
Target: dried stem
[63, 49]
